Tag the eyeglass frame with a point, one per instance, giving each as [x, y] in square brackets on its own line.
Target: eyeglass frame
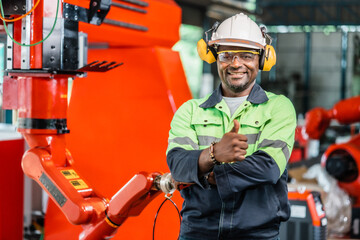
[236, 51]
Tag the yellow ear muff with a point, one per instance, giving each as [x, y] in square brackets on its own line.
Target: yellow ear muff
[269, 56]
[204, 52]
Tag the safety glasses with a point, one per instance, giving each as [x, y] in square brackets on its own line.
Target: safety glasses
[229, 56]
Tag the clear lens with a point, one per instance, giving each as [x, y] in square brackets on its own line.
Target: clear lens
[229, 57]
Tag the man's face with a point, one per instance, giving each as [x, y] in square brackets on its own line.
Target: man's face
[237, 74]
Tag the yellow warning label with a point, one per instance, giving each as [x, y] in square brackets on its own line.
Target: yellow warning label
[78, 184]
[70, 174]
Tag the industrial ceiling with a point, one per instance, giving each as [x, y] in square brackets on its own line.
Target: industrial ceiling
[274, 12]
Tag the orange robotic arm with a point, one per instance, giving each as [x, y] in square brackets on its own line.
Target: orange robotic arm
[37, 86]
[342, 161]
[345, 112]
[50, 164]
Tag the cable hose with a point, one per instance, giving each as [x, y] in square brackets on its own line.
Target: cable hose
[33, 44]
[177, 209]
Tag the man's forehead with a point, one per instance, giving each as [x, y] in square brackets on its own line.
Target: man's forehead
[225, 48]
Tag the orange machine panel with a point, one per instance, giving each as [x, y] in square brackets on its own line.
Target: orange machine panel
[119, 123]
[11, 188]
[162, 19]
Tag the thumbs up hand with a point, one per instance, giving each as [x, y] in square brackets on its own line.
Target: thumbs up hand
[232, 146]
[236, 127]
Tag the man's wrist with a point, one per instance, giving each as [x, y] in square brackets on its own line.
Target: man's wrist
[212, 155]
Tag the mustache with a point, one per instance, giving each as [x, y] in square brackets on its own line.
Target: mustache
[232, 69]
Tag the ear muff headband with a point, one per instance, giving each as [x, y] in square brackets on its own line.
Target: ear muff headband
[267, 59]
[206, 53]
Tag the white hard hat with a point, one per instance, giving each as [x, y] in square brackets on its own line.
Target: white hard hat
[239, 30]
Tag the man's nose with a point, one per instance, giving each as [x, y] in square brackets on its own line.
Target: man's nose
[236, 61]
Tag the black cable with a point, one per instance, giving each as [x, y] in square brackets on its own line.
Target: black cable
[177, 209]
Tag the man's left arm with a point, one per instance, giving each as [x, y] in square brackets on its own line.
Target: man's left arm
[267, 164]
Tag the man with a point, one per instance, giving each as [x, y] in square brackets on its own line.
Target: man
[233, 145]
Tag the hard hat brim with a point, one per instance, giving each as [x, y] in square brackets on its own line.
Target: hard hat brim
[237, 43]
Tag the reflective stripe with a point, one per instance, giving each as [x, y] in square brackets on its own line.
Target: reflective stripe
[276, 144]
[252, 137]
[184, 141]
[207, 140]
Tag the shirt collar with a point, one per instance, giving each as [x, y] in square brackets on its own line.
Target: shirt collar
[257, 96]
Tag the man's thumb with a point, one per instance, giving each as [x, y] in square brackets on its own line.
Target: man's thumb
[236, 127]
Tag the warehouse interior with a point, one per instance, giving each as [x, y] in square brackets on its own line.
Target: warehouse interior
[115, 115]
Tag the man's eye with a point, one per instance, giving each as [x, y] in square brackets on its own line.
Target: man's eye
[248, 56]
[227, 56]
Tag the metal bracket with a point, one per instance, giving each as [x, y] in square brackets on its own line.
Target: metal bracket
[14, 7]
[103, 66]
[80, 14]
[98, 10]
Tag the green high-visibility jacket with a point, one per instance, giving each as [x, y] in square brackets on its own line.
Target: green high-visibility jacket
[257, 184]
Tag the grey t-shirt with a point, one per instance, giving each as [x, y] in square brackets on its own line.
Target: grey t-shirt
[234, 102]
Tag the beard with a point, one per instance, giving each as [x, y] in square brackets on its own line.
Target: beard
[237, 88]
[235, 83]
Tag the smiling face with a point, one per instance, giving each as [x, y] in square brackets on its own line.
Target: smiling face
[237, 77]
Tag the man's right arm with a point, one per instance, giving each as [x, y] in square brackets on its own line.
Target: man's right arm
[183, 149]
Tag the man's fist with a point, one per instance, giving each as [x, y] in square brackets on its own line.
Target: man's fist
[232, 146]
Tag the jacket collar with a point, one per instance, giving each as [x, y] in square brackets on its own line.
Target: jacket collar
[257, 96]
